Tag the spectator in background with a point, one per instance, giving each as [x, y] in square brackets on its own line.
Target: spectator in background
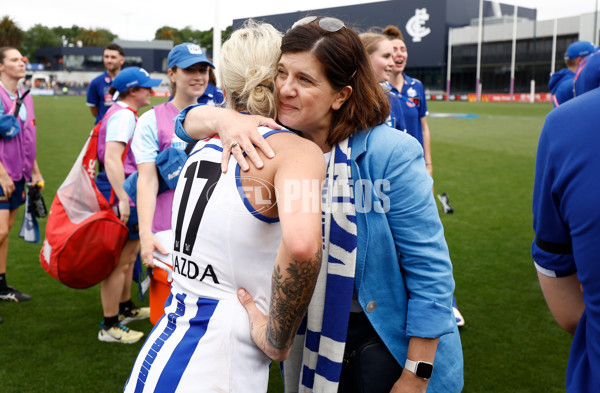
[561, 82]
[587, 76]
[566, 221]
[134, 86]
[18, 165]
[98, 95]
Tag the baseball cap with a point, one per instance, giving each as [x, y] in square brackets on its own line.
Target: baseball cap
[133, 77]
[187, 54]
[579, 49]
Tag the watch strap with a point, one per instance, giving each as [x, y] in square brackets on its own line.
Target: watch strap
[419, 368]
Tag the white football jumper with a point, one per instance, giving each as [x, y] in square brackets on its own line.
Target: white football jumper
[203, 342]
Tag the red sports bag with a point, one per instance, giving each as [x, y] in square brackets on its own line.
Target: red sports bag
[84, 236]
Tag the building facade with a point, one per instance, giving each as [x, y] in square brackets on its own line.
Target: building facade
[426, 26]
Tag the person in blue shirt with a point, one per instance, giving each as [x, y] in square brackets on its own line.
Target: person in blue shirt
[561, 82]
[98, 96]
[381, 54]
[412, 94]
[213, 95]
[566, 221]
[587, 76]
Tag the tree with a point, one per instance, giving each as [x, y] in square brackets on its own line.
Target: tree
[10, 33]
[187, 34]
[95, 37]
[68, 34]
[39, 37]
[168, 33]
[108, 36]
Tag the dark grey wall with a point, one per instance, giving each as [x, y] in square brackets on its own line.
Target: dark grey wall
[427, 51]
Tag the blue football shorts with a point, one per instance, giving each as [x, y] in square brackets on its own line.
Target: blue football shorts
[16, 199]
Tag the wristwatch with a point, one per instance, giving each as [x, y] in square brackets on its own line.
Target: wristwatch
[420, 369]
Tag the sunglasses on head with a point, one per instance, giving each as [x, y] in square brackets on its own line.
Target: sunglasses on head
[331, 25]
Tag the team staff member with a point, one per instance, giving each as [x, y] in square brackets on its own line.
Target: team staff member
[98, 96]
[18, 165]
[134, 86]
[561, 82]
[226, 237]
[566, 222]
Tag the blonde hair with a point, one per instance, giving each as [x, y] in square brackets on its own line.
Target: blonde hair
[247, 68]
[371, 41]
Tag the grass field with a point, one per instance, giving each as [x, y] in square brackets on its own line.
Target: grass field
[510, 341]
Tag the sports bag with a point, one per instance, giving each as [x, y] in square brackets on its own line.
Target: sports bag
[84, 236]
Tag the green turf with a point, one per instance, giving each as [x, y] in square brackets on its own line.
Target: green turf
[486, 165]
[510, 341]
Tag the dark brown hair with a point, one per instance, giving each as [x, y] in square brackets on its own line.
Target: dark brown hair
[3, 51]
[392, 32]
[345, 63]
[116, 47]
[112, 90]
[570, 62]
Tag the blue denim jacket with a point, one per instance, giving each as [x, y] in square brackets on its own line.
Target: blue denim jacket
[403, 277]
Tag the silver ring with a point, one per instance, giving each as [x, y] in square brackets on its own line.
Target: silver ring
[233, 144]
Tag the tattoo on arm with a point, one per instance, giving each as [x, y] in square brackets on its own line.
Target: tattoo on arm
[290, 297]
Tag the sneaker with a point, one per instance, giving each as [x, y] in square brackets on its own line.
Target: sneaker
[445, 203]
[12, 295]
[460, 321]
[134, 315]
[119, 334]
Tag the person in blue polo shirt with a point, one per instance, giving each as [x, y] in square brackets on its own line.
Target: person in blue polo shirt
[561, 82]
[380, 51]
[213, 95]
[98, 97]
[587, 76]
[566, 221]
[411, 93]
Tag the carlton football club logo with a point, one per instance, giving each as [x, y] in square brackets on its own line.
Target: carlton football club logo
[416, 25]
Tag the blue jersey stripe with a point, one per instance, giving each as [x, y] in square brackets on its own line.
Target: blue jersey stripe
[180, 358]
[176, 365]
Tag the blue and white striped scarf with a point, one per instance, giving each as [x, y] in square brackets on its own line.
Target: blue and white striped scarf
[315, 362]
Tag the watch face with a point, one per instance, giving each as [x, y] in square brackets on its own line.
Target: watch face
[424, 370]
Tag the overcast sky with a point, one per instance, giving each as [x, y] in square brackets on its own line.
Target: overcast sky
[139, 20]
